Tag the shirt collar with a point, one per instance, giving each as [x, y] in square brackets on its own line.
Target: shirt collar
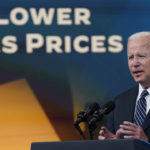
[141, 90]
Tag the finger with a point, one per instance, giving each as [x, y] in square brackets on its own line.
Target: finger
[128, 132]
[106, 130]
[126, 127]
[129, 124]
[101, 132]
[129, 137]
[118, 133]
[103, 128]
[101, 137]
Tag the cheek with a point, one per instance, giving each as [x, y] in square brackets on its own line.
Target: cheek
[147, 64]
[129, 66]
[147, 72]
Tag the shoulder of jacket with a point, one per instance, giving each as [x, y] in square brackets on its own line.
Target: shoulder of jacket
[127, 93]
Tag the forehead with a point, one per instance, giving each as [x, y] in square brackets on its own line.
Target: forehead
[141, 45]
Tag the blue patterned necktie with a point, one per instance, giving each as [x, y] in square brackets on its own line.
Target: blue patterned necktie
[140, 113]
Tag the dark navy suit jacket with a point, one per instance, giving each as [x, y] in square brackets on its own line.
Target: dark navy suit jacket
[124, 111]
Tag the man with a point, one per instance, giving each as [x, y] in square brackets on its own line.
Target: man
[131, 117]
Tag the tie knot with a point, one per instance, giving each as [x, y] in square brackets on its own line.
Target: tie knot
[144, 94]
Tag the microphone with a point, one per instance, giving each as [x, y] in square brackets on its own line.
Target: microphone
[83, 116]
[98, 114]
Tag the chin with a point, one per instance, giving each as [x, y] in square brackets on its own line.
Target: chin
[139, 80]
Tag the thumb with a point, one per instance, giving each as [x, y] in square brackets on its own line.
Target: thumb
[106, 130]
[118, 133]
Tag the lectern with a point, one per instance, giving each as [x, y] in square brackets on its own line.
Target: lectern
[93, 145]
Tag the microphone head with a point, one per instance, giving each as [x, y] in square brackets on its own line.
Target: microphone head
[99, 114]
[108, 107]
[92, 108]
[83, 116]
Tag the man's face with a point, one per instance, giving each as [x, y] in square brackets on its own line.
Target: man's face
[138, 51]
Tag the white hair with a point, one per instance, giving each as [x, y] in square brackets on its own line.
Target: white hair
[139, 35]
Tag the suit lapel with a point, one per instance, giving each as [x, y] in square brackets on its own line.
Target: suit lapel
[131, 104]
[125, 112]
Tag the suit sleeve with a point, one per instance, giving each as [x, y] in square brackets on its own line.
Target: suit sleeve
[147, 132]
[110, 122]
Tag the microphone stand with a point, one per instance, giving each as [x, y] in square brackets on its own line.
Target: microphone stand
[92, 123]
[91, 128]
[79, 129]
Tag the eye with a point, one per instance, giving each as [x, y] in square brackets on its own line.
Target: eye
[142, 56]
[130, 57]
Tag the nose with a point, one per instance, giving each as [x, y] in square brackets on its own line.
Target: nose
[135, 62]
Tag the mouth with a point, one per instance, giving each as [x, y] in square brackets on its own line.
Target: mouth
[138, 73]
